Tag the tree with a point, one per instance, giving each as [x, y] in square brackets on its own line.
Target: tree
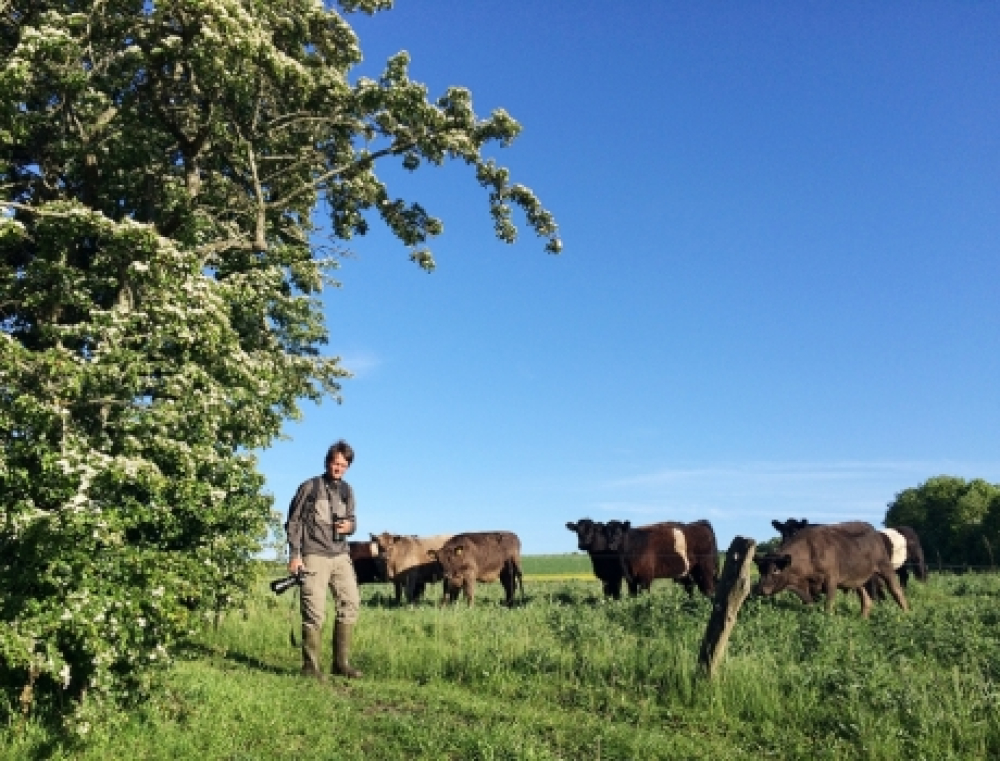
[948, 513]
[160, 163]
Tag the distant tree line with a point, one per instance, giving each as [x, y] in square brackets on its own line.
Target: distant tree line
[958, 521]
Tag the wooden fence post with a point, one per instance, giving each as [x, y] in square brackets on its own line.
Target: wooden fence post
[732, 590]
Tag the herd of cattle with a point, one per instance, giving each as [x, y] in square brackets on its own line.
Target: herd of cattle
[810, 559]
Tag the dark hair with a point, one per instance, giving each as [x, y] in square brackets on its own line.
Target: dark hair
[340, 447]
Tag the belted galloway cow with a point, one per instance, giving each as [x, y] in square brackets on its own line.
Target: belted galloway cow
[685, 552]
[902, 543]
[592, 538]
[906, 554]
[406, 563]
[480, 556]
[828, 558]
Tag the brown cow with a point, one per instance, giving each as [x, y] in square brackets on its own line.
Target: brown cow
[828, 558]
[366, 566]
[911, 562]
[405, 562]
[480, 556]
[685, 552]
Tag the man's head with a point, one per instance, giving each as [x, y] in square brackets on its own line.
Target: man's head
[338, 459]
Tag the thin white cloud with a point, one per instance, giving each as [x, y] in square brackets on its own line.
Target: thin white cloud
[757, 492]
[361, 363]
[780, 471]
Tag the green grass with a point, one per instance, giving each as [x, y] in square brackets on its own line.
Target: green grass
[555, 567]
[572, 676]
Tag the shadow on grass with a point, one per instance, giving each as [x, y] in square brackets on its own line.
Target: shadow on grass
[197, 651]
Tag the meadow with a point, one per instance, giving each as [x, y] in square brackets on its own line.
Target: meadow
[569, 675]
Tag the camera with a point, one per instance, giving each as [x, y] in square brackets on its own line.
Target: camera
[337, 536]
[297, 579]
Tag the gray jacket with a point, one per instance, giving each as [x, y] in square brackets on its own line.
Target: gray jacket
[311, 515]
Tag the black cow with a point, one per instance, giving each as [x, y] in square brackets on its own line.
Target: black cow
[592, 537]
[364, 556]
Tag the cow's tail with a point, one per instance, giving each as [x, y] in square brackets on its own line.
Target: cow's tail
[626, 567]
[520, 579]
[715, 553]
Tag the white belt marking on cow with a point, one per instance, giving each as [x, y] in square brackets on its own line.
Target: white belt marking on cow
[680, 547]
[898, 542]
[374, 549]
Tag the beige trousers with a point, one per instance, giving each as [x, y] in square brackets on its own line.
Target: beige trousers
[337, 573]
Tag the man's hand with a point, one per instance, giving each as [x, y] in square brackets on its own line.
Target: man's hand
[295, 564]
[344, 525]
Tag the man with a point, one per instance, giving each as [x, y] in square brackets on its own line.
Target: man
[320, 518]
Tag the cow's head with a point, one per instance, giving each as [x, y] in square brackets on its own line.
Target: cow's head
[614, 532]
[774, 573]
[386, 544]
[789, 528]
[452, 558]
[587, 533]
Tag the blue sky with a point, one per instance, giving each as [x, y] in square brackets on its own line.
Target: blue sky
[777, 297]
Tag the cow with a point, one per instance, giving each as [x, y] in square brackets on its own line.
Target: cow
[828, 558]
[480, 556]
[912, 560]
[405, 562]
[791, 527]
[907, 556]
[685, 552]
[592, 538]
[366, 567]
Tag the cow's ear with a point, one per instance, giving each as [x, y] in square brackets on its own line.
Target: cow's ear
[778, 526]
[571, 526]
[627, 525]
[783, 562]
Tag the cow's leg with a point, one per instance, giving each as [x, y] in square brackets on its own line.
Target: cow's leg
[894, 588]
[705, 580]
[830, 590]
[470, 590]
[904, 575]
[410, 584]
[613, 588]
[507, 580]
[399, 591]
[449, 593]
[866, 601]
[688, 583]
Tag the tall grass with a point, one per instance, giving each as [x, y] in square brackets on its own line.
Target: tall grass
[570, 675]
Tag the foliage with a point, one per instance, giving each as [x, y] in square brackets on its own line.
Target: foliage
[958, 521]
[160, 164]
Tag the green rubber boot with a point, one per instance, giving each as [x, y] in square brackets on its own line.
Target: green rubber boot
[311, 639]
[342, 649]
